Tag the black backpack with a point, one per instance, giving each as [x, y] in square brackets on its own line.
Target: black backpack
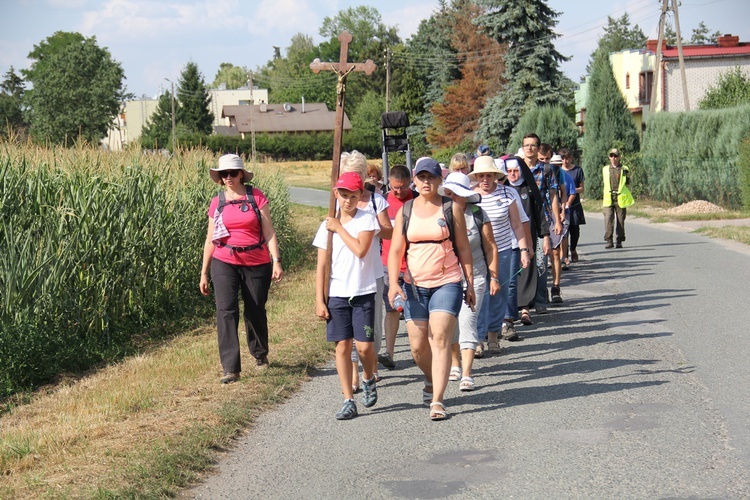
[476, 211]
[250, 201]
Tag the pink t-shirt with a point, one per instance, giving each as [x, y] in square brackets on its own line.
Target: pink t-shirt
[430, 264]
[244, 230]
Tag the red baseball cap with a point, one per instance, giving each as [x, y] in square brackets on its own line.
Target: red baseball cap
[351, 181]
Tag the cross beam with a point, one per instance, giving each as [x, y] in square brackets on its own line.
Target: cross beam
[342, 70]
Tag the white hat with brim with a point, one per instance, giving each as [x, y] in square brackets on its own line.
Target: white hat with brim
[556, 160]
[458, 183]
[231, 162]
[485, 164]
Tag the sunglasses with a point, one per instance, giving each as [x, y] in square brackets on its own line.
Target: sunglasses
[612, 155]
[229, 173]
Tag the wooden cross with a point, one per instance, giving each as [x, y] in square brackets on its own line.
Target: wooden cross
[342, 70]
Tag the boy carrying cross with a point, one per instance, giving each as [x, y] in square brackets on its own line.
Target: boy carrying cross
[350, 312]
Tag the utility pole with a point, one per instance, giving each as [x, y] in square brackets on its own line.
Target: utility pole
[174, 144]
[252, 127]
[387, 80]
[655, 83]
[680, 55]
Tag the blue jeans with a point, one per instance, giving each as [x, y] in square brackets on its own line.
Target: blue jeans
[511, 312]
[493, 309]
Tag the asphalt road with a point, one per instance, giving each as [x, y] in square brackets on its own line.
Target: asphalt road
[637, 387]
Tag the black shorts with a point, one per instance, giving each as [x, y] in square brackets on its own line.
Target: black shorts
[351, 318]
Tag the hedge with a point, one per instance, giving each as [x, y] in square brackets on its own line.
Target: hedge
[695, 155]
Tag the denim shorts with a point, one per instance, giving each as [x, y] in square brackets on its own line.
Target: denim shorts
[446, 298]
[351, 318]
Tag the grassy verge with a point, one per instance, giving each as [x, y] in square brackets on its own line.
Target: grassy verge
[152, 423]
[309, 174]
[657, 212]
[735, 233]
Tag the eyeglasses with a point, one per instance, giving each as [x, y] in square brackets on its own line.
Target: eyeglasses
[399, 188]
[229, 173]
[613, 155]
[532, 146]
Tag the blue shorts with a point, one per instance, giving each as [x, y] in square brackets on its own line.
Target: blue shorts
[446, 298]
[351, 318]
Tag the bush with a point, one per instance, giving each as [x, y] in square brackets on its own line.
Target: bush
[551, 123]
[694, 155]
[744, 167]
[96, 248]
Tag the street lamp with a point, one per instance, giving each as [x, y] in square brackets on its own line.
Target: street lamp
[173, 122]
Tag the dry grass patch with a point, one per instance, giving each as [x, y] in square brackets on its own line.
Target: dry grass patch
[735, 233]
[153, 423]
[309, 174]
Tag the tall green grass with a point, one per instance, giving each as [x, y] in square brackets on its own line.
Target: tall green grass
[99, 248]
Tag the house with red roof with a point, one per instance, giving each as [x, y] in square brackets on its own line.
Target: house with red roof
[634, 73]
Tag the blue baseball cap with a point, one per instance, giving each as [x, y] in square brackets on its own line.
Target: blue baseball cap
[427, 164]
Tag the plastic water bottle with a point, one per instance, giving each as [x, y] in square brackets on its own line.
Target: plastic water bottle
[398, 303]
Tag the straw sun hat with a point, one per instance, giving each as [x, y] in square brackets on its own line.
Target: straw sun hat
[485, 164]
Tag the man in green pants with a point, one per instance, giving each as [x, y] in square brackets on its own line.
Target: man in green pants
[616, 198]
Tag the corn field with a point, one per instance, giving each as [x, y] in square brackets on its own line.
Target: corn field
[97, 248]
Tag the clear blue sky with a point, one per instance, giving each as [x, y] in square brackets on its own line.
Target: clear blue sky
[154, 39]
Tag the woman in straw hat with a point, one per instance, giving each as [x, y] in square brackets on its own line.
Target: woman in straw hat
[484, 257]
[242, 253]
[502, 206]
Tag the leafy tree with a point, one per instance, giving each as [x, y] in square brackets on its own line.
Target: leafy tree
[194, 113]
[619, 35]
[365, 134]
[456, 118]
[532, 72]
[429, 58]
[289, 78]
[609, 122]
[551, 123]
[11, 104]
[233, 76]
[702, 35]
[77, 89]
[157, 132]
[370, 38]
[732, 89]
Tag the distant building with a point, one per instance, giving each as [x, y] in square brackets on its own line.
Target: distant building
[634, 73]
[136, 113]
[278, 118]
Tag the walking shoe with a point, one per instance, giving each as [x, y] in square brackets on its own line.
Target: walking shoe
[542, 309]
[619, 244]
[370, 396]
[573, 256]
[509, 332]
[386, 360]
[556, 298]
[228, 378]
[609, 245]
[262, 363]
[348, 411]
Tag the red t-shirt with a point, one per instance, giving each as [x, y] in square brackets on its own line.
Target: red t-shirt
[244, 230]
[394, 205]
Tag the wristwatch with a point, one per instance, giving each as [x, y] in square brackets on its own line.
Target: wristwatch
[276, 259]
[524, 249]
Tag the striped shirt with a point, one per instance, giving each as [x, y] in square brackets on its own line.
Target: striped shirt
[496, 205]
